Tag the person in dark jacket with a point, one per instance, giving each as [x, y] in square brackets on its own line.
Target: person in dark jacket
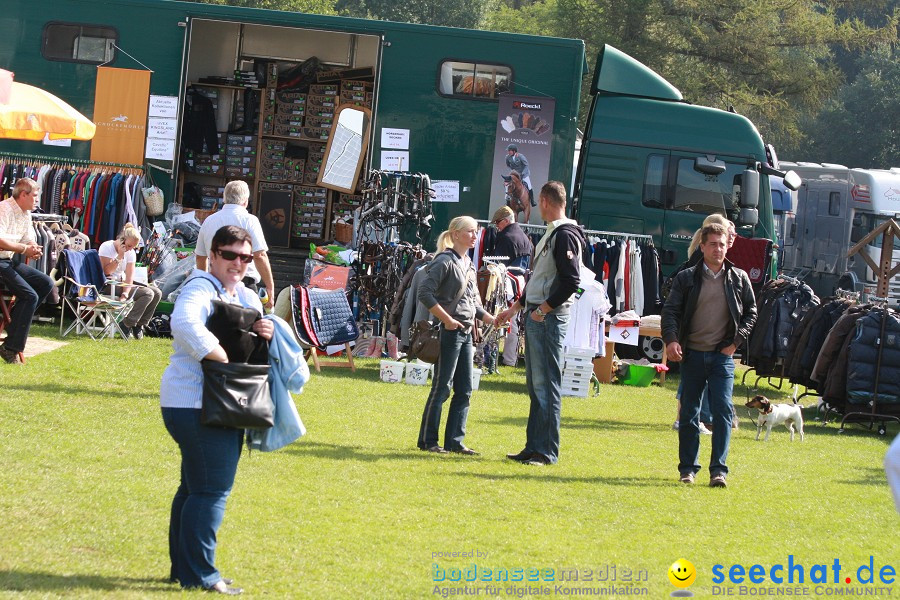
[709, 313]
[513, 243]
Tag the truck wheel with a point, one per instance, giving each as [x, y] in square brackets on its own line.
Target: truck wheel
[652, 348]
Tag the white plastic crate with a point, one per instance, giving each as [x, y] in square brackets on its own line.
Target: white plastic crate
[586, 353]
[576, 392]
[576, 378]
[578, 366]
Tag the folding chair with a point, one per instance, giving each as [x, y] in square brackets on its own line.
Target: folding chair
[94, 313]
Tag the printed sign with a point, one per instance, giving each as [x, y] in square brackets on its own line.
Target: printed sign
[446, 191]
[522, 154]
[395, 138]
[164, 106]
[163, 128]
[394, 160]
[120, 113]
[158, 149]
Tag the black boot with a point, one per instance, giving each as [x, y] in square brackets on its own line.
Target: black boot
[531, 198]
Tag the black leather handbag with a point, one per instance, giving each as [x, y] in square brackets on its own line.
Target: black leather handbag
[236, 395]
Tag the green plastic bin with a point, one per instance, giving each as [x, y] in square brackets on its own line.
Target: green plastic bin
[639, 375]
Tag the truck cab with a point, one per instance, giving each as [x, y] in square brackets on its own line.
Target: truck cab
[652, 163]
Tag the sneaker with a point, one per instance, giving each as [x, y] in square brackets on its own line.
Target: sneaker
[687, 478]
[675, 425]
[705, 430]
[137, 332]
[10, 356]
[717, 481]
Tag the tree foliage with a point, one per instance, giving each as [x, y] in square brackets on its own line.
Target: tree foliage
[318, 7]
[468, 14]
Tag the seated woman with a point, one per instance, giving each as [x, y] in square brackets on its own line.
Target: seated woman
[118, 259]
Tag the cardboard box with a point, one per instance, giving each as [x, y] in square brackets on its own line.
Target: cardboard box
[324, 89]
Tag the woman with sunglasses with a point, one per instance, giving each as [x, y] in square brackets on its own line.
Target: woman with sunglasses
[209, 455]
[117, 257]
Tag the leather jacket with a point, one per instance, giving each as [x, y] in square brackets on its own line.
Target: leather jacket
[682, 302]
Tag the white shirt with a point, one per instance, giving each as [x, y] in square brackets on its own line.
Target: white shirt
[108, 250]
[15, 225]
[232, 214]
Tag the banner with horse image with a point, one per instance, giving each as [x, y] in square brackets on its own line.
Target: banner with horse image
[522, 154]
[121, 104]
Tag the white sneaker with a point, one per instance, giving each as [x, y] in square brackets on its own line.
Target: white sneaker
[704, 430]
[675, 425]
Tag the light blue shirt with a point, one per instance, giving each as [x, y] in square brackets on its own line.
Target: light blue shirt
[182, 381]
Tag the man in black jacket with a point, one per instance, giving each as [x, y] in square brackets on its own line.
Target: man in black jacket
[514, 244]
[709, 313]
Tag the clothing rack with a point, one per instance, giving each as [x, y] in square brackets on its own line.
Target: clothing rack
[69, 161]
[529, 228]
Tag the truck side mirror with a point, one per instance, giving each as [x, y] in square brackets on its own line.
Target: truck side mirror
[708, 165]
[750, 188]
[792, 181]
[749, 217]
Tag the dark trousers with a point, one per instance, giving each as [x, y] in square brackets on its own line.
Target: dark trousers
[30, 287]
[452, 373]
[209, 459]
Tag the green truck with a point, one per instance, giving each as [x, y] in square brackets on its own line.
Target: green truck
[654, 164]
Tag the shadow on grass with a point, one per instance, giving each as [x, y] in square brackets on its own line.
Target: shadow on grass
[343, 452]
[541, 474]
[868, 476]
[45, 389]
[599, 424]
[23, 581]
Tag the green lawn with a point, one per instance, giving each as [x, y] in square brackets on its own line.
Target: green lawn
[353, 510]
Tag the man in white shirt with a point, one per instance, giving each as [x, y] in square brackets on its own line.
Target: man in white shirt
[234, 212]
[28, 285]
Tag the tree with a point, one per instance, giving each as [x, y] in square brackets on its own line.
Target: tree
[318, 7]
[468, 14]
[772, 60]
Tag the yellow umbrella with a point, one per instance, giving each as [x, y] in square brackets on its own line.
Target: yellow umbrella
[30, 113]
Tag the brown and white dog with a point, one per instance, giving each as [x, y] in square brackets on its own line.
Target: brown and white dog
[776, 414]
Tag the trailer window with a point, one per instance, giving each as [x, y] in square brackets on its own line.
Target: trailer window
[655, 181]
[74, 42]
[473, 80]
[834, 204]
[706, 194]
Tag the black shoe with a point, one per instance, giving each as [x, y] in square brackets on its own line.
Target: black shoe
[531, 197]
[538, 460]
[10, 356]
[521, 456]
[137, 332]
[436, 449]
[464, 450]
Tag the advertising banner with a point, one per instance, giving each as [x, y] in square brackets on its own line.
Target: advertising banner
[522, 154]
[120, 114]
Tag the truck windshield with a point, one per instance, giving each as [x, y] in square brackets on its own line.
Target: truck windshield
[698, 192]
[873, 222]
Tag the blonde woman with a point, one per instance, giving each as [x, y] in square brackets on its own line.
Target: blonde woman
[118, 259]
[451, 275]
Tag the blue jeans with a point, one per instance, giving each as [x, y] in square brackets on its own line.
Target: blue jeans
[705, 415]
[30, 287]
[699, 370]
[453, 372]
[209, 459]
[543, 377]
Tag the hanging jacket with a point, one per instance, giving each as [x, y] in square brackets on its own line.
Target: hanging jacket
[289, 373]
[833, 343]
[874, 356]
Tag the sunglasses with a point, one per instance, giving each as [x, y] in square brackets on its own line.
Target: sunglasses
[229, 255]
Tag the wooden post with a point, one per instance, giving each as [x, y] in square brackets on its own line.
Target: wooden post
[883, 272]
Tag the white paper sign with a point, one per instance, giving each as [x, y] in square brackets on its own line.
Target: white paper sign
[624, 335]
[159, 149]
[394, 161]
[395, 138]
[163, 106]
[162, 128]
[446, 191]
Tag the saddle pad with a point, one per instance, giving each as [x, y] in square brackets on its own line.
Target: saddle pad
[331, 318]
[299, 308]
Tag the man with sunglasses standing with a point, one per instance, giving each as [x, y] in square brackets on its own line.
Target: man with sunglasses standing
[234, 212]
[28, 285]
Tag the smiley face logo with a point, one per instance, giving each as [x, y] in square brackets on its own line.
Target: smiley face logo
[682, 573]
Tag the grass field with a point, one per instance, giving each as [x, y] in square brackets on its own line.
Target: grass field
[353, 510]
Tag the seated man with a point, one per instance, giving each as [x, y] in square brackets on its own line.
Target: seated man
[29, 285]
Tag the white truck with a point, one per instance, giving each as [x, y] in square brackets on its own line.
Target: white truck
[835, 208]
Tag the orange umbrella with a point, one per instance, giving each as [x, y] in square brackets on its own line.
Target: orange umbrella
[30, 113]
